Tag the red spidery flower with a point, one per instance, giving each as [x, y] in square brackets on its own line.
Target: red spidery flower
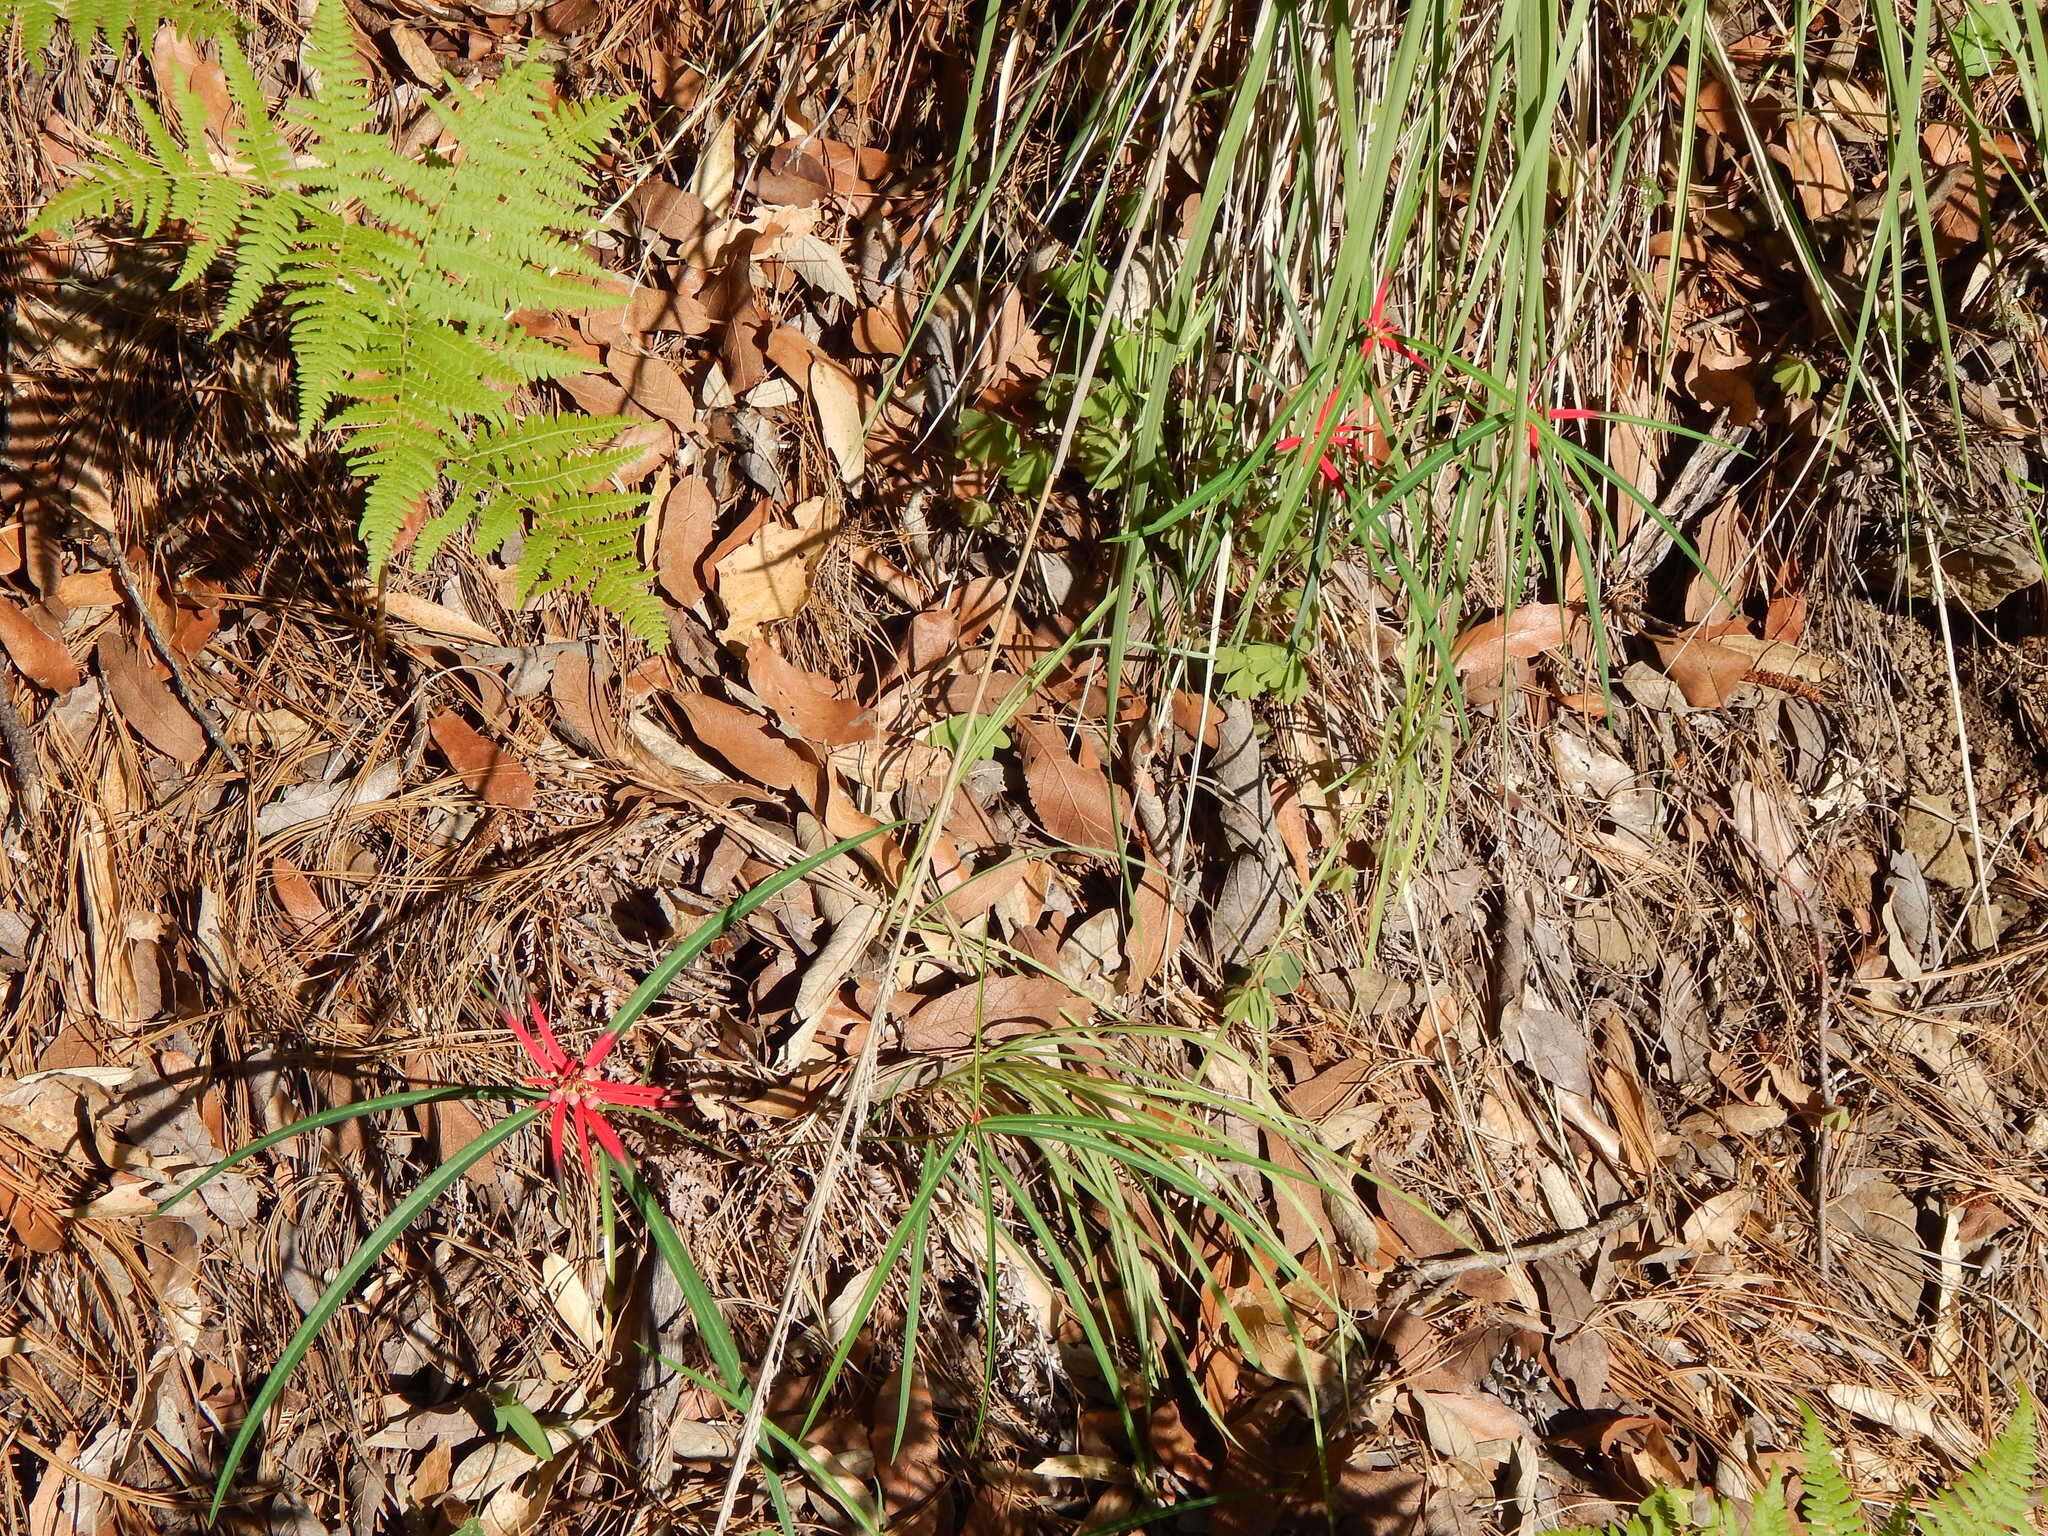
[577, 1091]
[1360, 438]
[1557, 414]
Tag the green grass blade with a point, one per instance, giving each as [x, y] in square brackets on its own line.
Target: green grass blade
[338, 1114]
[725, 920]
[403, 1215]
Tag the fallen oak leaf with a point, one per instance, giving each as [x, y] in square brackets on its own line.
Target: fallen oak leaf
[1075, 802]
[1516, 635]
[806, 704]
[744, 741]
[39, 654]
[993, 1009]
[491, 773]
[769, 577]
[147, 704]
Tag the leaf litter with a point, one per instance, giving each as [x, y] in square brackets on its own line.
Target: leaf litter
[1598, 987]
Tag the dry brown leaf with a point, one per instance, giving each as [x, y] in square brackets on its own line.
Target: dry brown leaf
[654, 386]
[999, 1008]
[1706, 671]
[836, 399]
[424, 613]
[806, 704]
[980, 891]
[911, 1469]
[40, 655]
[879, 332]
[1725, 545]
[295, 893]
[1157, 926]
[597, 393]
[1075, 802]
[669, 211]
[178, 65]
[1782, 658]
[88, 589]
[147, 703]
[769, 578]
[689, 522]
[717, 170]
[1486, 648]
[745, 742]
[491, 773]
[1814, 161]
[584, 706]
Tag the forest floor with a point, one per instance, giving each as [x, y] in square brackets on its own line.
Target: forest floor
[1619, 1018]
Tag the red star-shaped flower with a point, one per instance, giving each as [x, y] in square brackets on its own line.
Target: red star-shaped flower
[577, 1092]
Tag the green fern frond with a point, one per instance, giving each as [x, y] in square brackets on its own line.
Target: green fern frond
[400, 276]
[1829, 1506]
[200, 20]
[1995, 1495]
[1772, 1516]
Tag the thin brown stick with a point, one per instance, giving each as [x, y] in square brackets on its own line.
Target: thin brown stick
[1433, 1272]
[180, 689]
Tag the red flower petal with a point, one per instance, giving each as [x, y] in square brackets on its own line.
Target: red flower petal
[606, 1138]
[599, 1049]
[534, 1049]
[557, 1115]
[583, 1117]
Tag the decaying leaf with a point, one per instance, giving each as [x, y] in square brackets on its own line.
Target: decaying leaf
[745, 741]
[809, 708]
[769, 578]
[147, 703]
[689, 522]
[1075, 802]
[40, 655]
[998, 1008]
[1485, 649]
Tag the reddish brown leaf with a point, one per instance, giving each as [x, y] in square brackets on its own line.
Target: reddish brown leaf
[745, 742]
[295, 893]
[805, 703]
[1156, 926]
[491, 773]
[689, 522]
[999, 1008]
[1075, 801]
[584, 705]
[147, 703]
[669, 211]
[595, 393]
[654, 386]
[41, 656]
[1485, 649]
[1705, 672]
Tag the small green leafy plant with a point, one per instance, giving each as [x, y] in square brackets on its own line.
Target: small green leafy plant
[1992, 1497]
[1198, 428]
[401, 276]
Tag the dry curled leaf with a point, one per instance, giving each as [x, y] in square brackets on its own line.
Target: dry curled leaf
[805, 702]
[147, 703]
[689, 522]
[1485, 649]
[40, 656]
[744, 741]
[769, 577]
